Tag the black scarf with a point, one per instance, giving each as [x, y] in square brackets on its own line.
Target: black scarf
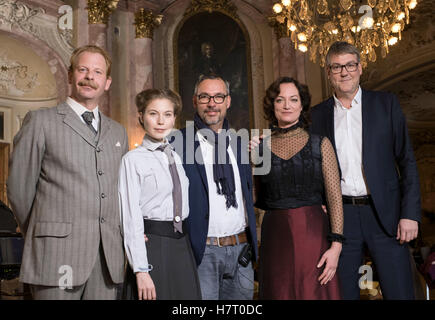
[223, 174]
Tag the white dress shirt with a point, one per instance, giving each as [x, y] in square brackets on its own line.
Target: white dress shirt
[348, 141]
[222, 221]
[79, 109]
[145, 192]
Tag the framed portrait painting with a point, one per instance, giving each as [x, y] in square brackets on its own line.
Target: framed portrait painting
[214, 43]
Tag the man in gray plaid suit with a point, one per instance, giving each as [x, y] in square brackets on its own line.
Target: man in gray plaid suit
[63, 189]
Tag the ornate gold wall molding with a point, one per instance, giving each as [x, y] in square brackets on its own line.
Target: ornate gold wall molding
[145, 22]
[99, 11]
[223, 6]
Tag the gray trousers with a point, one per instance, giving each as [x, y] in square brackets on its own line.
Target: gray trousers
[99, 286]
[222, 277]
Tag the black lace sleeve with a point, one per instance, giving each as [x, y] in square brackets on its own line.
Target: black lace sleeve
[331, 177]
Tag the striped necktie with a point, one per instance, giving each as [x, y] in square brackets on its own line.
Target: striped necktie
[88, 116]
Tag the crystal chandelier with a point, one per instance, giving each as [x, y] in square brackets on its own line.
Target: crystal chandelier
[370, 25]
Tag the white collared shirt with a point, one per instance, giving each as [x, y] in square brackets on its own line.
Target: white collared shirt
[79, 110]
[222, 221]
[348, 141]
[145, 192]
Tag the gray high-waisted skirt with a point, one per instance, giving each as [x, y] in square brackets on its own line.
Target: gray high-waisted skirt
[174, 268]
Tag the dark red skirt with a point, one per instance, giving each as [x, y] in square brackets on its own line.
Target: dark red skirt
[292, 243]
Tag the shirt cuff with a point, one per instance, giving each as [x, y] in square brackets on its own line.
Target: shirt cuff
[144, 269]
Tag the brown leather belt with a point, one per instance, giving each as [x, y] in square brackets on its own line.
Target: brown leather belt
[228, 240]
[357, 201]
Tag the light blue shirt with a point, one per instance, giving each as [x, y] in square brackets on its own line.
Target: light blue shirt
[145, 192]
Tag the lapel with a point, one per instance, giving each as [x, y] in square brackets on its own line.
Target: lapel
[105, 124]
[365, 111]
[71, 119]
[330, 131]
[199, 161]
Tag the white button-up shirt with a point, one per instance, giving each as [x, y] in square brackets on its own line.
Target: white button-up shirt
[222, 221]
[348, 141]
[79, 109]
[145, 192]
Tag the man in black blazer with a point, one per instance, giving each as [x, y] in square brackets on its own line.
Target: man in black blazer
[221, 222]
[379, 178]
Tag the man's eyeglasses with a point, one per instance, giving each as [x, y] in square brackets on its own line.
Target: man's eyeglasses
[218, 99]
[338, 68]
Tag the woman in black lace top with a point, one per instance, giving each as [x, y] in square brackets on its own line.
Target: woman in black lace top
[300, 243]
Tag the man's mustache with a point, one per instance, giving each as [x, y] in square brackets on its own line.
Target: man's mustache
[88, 83]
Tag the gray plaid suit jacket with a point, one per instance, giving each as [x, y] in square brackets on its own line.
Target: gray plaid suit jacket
[62, 186]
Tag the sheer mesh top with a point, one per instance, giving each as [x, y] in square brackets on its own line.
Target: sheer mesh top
[303, 171]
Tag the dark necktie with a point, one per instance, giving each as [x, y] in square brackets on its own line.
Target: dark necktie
[88, 116]
[176, 191]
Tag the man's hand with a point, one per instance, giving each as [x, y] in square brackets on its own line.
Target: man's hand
[254, 142]
[407, 230]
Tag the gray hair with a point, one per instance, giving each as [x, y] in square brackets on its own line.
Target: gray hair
[341, 47]
[203, 77]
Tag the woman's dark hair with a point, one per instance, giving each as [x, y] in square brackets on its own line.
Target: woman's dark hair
[273, 91]
[144, 98]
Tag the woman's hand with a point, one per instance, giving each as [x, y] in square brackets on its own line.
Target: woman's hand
[145, 286]
[331, 258]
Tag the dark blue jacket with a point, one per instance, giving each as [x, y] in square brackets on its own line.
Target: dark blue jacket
[388, 161]
[198, 220]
